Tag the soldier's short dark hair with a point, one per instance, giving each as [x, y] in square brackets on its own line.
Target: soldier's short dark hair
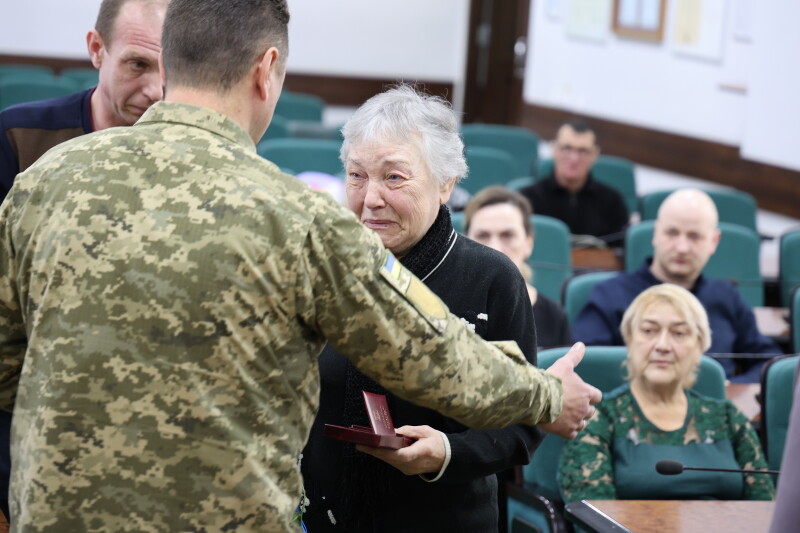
[107, 16]
[211, 44]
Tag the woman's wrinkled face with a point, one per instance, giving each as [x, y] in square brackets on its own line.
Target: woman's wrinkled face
[390, 188]
[664, 349]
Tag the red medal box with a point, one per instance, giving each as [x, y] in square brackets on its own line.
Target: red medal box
[380, 435]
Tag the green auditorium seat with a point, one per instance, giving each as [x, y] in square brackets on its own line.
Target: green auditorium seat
[521, 143]
[487, 166]
[19, 88]
[736, 258]
[735, 207]
[794, 319]
[551, 260]
[278, 129]
[457, 219]
[577, 289]
[299, 106]
[86, 77]
[303, 154]
[520, 183]
[32, 71]
[789, 264]
[777, 393]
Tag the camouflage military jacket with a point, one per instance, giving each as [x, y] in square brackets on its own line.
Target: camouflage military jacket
[168, 291]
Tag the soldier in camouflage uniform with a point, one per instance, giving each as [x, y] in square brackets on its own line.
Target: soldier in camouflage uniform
[169, 291]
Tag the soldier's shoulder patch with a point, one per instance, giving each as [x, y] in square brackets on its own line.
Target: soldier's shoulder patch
[417, 293]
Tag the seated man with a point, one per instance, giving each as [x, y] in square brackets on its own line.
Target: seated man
[572, 195]
[685, 237]
[124, 47]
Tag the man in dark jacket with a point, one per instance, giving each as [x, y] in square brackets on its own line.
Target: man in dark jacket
[570, 193]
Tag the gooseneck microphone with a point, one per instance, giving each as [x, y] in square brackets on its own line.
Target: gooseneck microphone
[668, 467]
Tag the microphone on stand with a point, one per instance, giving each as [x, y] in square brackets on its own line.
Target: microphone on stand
[668, 467]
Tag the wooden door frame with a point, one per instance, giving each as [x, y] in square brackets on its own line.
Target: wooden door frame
[494, 77]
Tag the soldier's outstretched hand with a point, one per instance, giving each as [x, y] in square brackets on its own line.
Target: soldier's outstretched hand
[578, 395]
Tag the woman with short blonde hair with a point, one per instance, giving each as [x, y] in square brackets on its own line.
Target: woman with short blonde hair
[656, 415]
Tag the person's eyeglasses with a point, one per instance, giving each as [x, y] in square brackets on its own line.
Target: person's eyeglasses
[582, 152]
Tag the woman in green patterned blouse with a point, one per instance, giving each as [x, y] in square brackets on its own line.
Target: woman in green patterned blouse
[656, 416]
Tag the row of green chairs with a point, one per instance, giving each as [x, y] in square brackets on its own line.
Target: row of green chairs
[19, 89]
[488, 166]
[789, 264]
[777, 392]
[27, 83]
[301, 155]
[84, 76]
[733, 206]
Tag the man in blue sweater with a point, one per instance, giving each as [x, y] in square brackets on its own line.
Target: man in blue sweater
[124, 46]
[685, 237]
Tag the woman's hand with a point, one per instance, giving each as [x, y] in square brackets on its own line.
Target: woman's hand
[423, 457]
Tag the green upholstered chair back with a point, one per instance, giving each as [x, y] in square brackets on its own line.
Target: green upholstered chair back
[735, 207]
[457, 219]
[794, 319]
[520, 183]
[777, 393]
[86, 77]
[303, 154]
[21, 88]
[789, 261]
[616, 172]
[278, 129]
[299, 106]
[521, 143]
[736, 258]
[30, 70]
[551, 260]
[577, 289]
[487, 166]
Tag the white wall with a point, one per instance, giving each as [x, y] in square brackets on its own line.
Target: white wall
[773, 116]
[48, 28]
[411, 39]
[634, 81]
[654, 86]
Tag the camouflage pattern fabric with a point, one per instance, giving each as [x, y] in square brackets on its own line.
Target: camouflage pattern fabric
[168, 292]
[586, 469]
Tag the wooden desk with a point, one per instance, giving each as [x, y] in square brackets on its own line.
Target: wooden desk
[594, 258]
[686, 516]
[743, 396]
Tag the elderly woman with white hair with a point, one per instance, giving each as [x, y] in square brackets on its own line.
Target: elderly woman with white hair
[657, 416]
[403, 155]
